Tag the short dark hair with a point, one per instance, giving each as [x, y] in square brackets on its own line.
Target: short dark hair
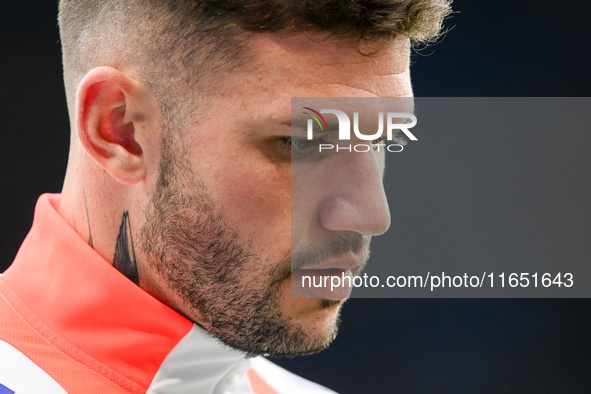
[183, 35]
[357, 19]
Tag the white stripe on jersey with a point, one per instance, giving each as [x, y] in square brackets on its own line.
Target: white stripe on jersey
[23, 376]
[283, 381]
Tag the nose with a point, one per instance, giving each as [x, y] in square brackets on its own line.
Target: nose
[355, 199]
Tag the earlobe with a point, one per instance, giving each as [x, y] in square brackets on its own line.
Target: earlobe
[110, 112]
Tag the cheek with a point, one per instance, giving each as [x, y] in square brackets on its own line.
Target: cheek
[256, 199]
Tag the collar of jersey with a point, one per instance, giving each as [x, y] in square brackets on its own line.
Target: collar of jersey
[88, 303]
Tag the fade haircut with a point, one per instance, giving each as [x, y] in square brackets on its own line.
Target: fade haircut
[176, 43]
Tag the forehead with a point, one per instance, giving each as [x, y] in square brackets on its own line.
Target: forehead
[317, 61]
[279, 68]
[315, 49]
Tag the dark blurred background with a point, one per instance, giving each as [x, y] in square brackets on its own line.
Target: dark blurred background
[501, 48]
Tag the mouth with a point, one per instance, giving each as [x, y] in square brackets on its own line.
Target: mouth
[328, 283]
[327, 277]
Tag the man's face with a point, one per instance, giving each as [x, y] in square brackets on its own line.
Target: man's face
[220, 233]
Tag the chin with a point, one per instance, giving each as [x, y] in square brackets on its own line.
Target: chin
[317, 317]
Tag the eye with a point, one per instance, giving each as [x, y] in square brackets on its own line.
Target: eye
[300, 147]
[303, 144]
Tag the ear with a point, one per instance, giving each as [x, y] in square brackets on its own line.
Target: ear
[115, 122]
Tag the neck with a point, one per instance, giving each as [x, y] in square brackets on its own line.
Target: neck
[97, 207]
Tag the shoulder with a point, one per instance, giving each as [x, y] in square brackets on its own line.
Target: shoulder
[283, 381]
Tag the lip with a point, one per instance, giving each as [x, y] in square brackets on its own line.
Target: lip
[348, 261]
[326, 284]
[343, 266]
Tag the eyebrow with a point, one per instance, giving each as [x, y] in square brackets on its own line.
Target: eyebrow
[331, 123]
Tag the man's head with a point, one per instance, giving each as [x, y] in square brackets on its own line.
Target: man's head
[181, 142]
